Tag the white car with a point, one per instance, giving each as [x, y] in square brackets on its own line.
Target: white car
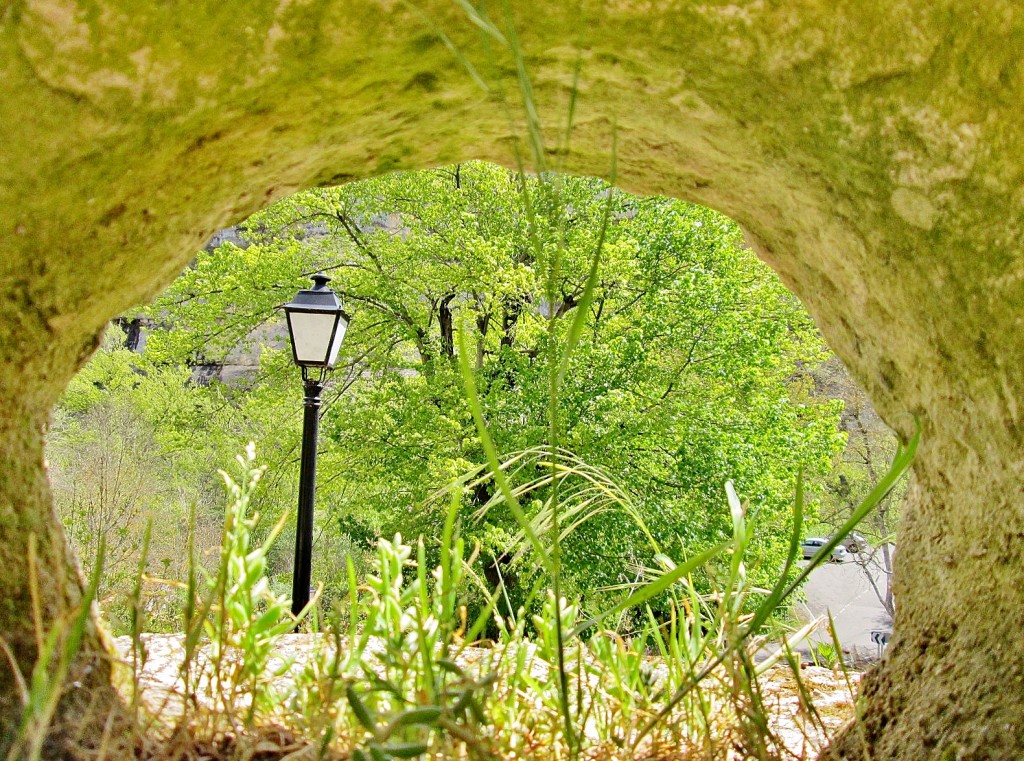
[855, 543]
[813, 545]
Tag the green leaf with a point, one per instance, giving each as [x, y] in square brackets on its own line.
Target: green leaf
[654, 588]
[422, 715]
[359, 708]
[405, 750]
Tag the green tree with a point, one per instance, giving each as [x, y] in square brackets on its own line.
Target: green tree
[691, 369]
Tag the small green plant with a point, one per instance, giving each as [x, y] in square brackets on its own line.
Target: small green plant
[403, 674]
[825, 654]
[416, 686]
[246, 618]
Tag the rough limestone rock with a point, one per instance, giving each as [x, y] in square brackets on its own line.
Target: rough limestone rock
[872, 150]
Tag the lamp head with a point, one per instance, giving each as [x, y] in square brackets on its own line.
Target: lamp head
[316, 325]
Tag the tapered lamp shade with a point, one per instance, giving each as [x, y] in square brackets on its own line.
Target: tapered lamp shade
[316, 324]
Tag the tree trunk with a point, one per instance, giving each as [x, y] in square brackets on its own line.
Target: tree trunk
[511, 309]
[446, 323]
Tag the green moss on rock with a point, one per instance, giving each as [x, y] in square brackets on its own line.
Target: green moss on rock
[873, 152]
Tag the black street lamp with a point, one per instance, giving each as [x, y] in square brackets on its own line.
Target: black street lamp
[316, 324]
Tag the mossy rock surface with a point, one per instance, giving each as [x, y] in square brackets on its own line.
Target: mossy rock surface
[872, 151]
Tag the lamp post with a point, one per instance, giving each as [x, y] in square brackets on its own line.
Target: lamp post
[316, 325]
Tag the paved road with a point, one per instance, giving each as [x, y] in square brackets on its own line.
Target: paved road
[843, 590]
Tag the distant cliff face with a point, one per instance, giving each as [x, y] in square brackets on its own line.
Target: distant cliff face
[242, 362]
[874, 152]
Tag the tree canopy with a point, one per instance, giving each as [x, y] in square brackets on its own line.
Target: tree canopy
[692, 367]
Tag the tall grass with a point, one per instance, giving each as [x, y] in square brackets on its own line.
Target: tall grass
[593, 492]
[401, 671]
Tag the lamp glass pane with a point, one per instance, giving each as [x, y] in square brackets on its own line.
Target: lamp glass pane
[336, 344]
[311, 336]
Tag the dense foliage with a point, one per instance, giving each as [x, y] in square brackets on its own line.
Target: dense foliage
[691, 369]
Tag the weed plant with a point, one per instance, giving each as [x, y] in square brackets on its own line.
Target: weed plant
[401, 671]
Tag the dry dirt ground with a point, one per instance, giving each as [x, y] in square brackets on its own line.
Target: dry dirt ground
[162, 691]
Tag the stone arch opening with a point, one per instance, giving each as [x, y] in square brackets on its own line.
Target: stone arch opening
[873, 156]
[333, 226]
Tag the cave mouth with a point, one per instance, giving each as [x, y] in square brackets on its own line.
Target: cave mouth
[690, 350]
